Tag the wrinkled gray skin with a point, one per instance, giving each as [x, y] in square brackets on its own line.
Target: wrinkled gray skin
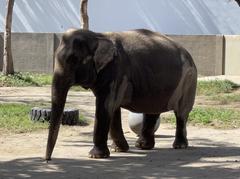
[139, 70]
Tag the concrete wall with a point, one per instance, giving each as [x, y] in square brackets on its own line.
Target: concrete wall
[206, 50]
[213, 55]
[232, 55]
[32, 52]
[1, 51]
[57, 39]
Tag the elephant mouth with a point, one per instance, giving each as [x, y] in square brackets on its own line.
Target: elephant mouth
[85, 86]
[87, 83]
[86, 77]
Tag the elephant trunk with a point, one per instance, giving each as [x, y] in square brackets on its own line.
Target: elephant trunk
[59, 95]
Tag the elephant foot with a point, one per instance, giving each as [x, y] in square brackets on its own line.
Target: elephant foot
[119, 146]
[145, 143]
[181, 143]
[97, 152]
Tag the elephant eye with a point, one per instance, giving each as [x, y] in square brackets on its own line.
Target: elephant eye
[77, 43]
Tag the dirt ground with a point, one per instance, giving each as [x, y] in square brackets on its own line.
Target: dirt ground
[212, 153]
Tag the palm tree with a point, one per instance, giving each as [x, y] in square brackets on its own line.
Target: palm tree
[7, 53]
[84, 14]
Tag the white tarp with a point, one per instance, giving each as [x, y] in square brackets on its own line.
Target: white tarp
[166, 16]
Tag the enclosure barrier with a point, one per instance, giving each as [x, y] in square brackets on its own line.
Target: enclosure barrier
[213, 54]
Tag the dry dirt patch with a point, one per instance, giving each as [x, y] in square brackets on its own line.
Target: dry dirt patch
[212, 153]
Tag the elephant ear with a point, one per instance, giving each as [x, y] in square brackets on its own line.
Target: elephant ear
[104, 53]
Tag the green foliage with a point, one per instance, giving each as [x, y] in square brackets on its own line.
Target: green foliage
[15, 118]
[226, 98]
[29, 79]
[25, 79]
[83, 121]
[213, 87]
[216, 117]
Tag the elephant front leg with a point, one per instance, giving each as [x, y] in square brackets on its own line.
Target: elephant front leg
[119, 142]
[101, 128]
[146, 139]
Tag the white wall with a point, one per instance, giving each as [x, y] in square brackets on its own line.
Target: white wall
[232, 54]
[166, 16]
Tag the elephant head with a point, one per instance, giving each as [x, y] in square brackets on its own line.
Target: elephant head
[79, 59]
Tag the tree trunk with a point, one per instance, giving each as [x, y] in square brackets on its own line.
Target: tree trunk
[84, 14]
[7, 53]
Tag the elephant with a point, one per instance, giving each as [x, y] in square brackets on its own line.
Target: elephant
[138, 70]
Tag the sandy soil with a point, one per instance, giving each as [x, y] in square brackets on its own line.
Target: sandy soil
[212, 153]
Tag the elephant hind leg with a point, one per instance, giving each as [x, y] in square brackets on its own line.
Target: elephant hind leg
[181, 132]
[146, 139]
[182, 113]
[119, 142]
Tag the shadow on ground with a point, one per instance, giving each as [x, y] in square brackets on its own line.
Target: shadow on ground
[210, 161]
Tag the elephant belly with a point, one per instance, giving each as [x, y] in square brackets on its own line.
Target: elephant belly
[149, 105]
